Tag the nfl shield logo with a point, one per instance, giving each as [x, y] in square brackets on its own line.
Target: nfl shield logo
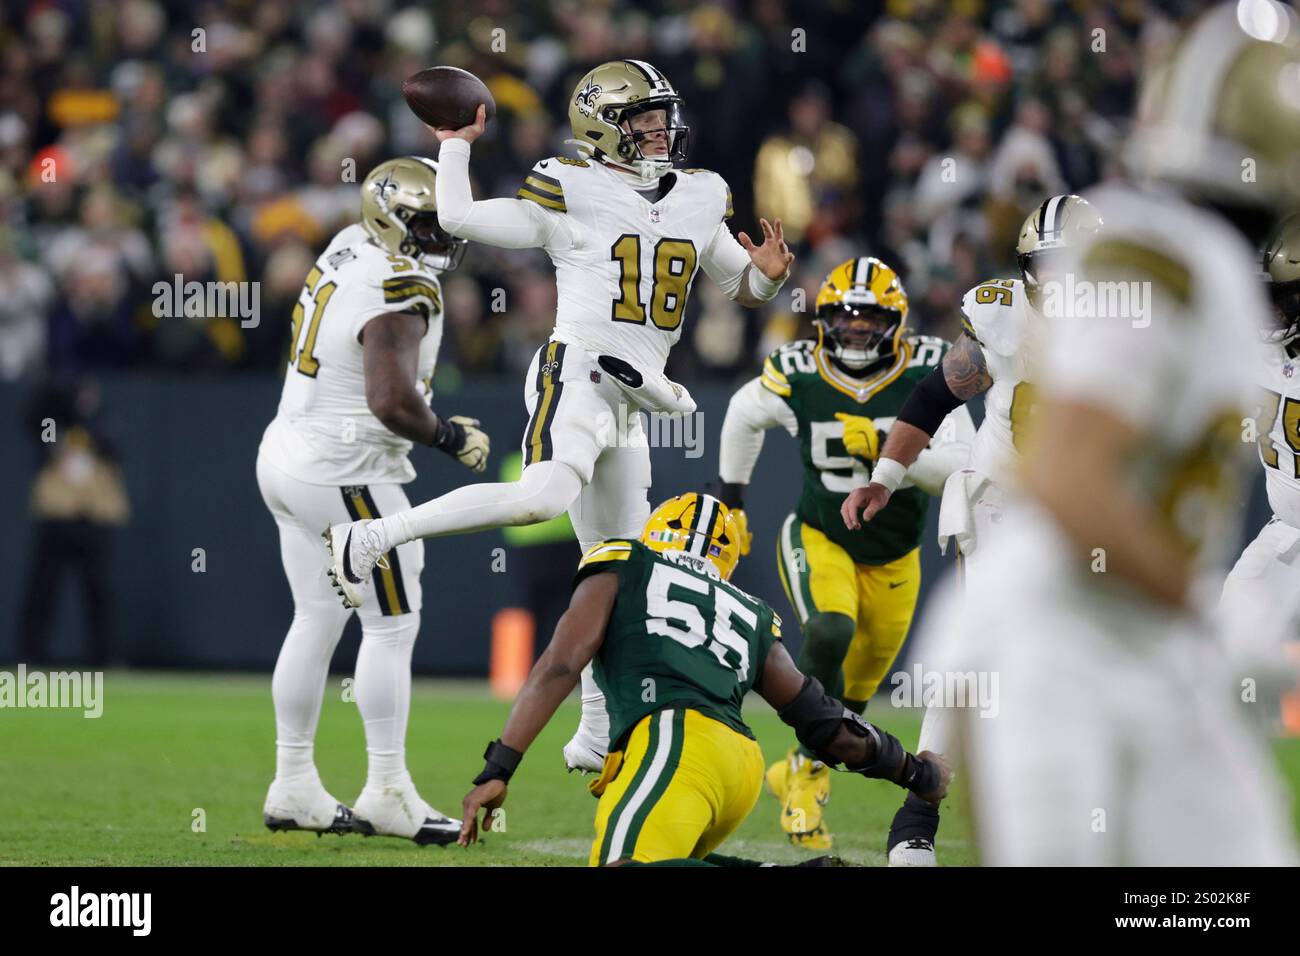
[1288, 369]
[654, 215]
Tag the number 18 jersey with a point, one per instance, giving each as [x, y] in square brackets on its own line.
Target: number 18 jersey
[678, 636]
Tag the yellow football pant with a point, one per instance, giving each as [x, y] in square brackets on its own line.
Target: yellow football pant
[680, 786]
[820, 577]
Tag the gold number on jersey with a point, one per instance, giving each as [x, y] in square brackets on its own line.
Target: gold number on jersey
[674, 267]
[1023, 397]
[1290, 430]
[401, 263]
[306, 362]
[999, 292]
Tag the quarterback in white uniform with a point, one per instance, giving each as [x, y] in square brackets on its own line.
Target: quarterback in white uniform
[627, 234]
[1116, 736]
[365, 338]
[1260, 605]
[1003, 328]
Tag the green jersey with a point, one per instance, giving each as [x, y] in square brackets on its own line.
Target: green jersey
[678, 636]
[802, 375]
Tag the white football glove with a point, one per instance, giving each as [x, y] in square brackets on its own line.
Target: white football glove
[461, 437]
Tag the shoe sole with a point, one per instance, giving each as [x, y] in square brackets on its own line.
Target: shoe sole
[340, 586]
[421, 838]
[341, 825]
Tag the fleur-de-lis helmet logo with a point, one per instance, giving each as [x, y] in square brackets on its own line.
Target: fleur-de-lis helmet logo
[383, 188]
[586, 98]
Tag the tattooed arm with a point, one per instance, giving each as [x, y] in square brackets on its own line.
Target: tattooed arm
[962, 375]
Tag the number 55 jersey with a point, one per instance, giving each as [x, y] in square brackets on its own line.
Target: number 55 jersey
[678, 636]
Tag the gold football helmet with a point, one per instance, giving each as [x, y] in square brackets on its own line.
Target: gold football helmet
[399, 211]
[861, 313]
[697, 524]
[1282, 270]
[1059, 222]
[611, 95]
[1220, 116]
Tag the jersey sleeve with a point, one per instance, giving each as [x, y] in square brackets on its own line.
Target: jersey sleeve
[542, 188]
[752, 410]
[989, 317]
[396, 286]
[612, 555]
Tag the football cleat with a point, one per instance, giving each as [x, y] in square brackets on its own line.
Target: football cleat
[803, 786]
[584, 753]
[308, 807]
[915, 852]
[401, 812]
[356, 548]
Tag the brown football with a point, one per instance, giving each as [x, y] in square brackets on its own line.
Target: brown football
[446, 97]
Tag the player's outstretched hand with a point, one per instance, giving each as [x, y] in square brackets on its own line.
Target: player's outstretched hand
[773, 257]
[862, 504]
[467, 133]
[487, 797]
[945, 776]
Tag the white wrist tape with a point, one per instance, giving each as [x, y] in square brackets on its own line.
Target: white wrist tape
[761, 287]
[889, 473]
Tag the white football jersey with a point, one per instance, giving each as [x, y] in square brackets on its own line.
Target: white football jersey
[1178, 365]
[1279, 439]
[324, 432]
[998, 315]
[622, 289]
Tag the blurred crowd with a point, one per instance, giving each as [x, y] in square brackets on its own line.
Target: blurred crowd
[225, 140]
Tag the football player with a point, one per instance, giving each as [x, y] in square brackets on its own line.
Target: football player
[1260, 605]
[676, 647]
[1002, 323]
[356, 398]
[853, 593]
[1118, 737]
[627, 233]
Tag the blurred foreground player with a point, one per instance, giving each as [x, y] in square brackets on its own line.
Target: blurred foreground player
[1117, 739]
[356, 395]
[675, 648]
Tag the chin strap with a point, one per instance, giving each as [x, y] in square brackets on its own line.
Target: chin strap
[632, 176]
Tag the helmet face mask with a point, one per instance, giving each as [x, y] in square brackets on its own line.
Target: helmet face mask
[1281, 270]
[1285, 297]
[859, 335]
[428, 240]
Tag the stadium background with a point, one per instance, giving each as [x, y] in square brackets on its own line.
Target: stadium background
[229, 163]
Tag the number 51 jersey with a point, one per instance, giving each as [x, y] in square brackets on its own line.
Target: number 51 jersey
[622, 286]
[678, 636]
[323, 432]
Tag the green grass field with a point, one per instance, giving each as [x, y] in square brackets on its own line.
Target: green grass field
[124, 789]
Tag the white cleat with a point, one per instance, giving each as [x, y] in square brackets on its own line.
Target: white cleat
[585, 753]
[304, 806]
[916, 852]
[356, 549]
[401, 812]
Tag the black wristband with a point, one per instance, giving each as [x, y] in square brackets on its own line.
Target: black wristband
[920, 776]
[730, 493]
[450, 436]
[500, 763]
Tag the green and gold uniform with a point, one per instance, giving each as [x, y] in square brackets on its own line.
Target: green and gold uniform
[681, 651]
[872, 576]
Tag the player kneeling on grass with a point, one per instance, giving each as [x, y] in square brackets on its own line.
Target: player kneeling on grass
[675, 648]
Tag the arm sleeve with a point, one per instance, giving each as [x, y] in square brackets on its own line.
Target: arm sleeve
[949, 451]
[508, 223]
[752, 411]
[725, 260]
